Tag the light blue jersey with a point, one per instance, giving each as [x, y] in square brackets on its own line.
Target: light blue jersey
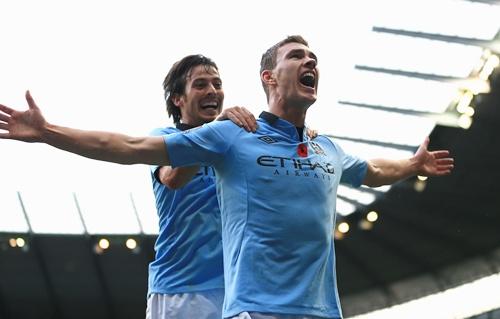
[188, 248]
[277, 197]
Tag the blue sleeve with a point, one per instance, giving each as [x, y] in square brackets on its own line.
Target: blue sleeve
[353, 170]
[204, 145]
[160, 132]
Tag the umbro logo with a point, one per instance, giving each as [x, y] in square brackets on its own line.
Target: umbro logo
[267, 139]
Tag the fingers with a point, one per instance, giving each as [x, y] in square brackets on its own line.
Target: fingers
[445, 161]
[6, 109]
[442, 167]
[4, 118]
[446, 166]
[242, 117]
[312, 134]
[443, 171]
[440, 154]
[238, 120]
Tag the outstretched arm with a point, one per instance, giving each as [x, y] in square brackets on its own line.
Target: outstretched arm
[425, 163]
[31, 126]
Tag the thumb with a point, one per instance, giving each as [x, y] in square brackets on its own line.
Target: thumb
[31, 103]
[426, 142]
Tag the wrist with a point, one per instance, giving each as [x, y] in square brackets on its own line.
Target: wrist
[46, 131]
[414, 166]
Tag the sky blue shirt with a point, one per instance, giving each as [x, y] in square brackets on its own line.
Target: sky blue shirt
[188, 250]
[277, 197]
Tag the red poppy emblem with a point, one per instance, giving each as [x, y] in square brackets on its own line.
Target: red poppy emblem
[302, 150]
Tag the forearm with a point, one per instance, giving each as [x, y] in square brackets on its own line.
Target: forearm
[385, 171]
[107, 146]
[175, 178]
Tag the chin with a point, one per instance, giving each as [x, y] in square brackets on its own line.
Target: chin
[211, 118]
[310, 99]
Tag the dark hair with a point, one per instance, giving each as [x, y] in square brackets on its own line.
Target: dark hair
[175, 81]
[268, 60]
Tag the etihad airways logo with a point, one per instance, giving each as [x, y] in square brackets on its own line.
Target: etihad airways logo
[296, 167]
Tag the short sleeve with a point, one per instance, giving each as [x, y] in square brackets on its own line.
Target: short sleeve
[204, 145]
[160, 132]
[353, 170]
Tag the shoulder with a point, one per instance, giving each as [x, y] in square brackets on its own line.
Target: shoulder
[226, 128]
[222, 125]
[163, 131]
[326, 142]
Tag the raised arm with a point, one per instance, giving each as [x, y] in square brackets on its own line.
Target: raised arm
[425, 163]
[31, 126]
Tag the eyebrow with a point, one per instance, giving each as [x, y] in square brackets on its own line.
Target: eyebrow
[207, 78]
[309, 53]
[203, 80]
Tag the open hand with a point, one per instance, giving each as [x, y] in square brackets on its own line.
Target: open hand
[240, 116]
[435, 163]
[25, 126]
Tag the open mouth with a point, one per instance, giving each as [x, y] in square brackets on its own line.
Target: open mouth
[210, 105]
[308, 79]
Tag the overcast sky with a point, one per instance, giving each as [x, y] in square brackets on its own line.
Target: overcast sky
[100, 65]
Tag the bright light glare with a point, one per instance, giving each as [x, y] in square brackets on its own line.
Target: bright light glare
[99, 210]
[491, 63]
[345, 208]
[360, 196]
[131, 243]
[104, 243]
[464, 121]
[343, 227]
[442, 17]
[458, 303]
[464, 102]
[13, 218]
[434, 57]
[20, 242]
[12, 242]
[381, 189]
[419, 185]
[372, 216]
[54, 204]
[379, 88]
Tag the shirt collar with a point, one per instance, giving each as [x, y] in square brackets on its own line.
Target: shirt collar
[282, 125]
[184, 126]
[269, 117]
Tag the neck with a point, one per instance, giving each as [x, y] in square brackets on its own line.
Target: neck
[291, 113]
[191, 122]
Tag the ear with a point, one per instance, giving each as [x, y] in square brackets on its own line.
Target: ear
[267, 77]
[177, 100]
